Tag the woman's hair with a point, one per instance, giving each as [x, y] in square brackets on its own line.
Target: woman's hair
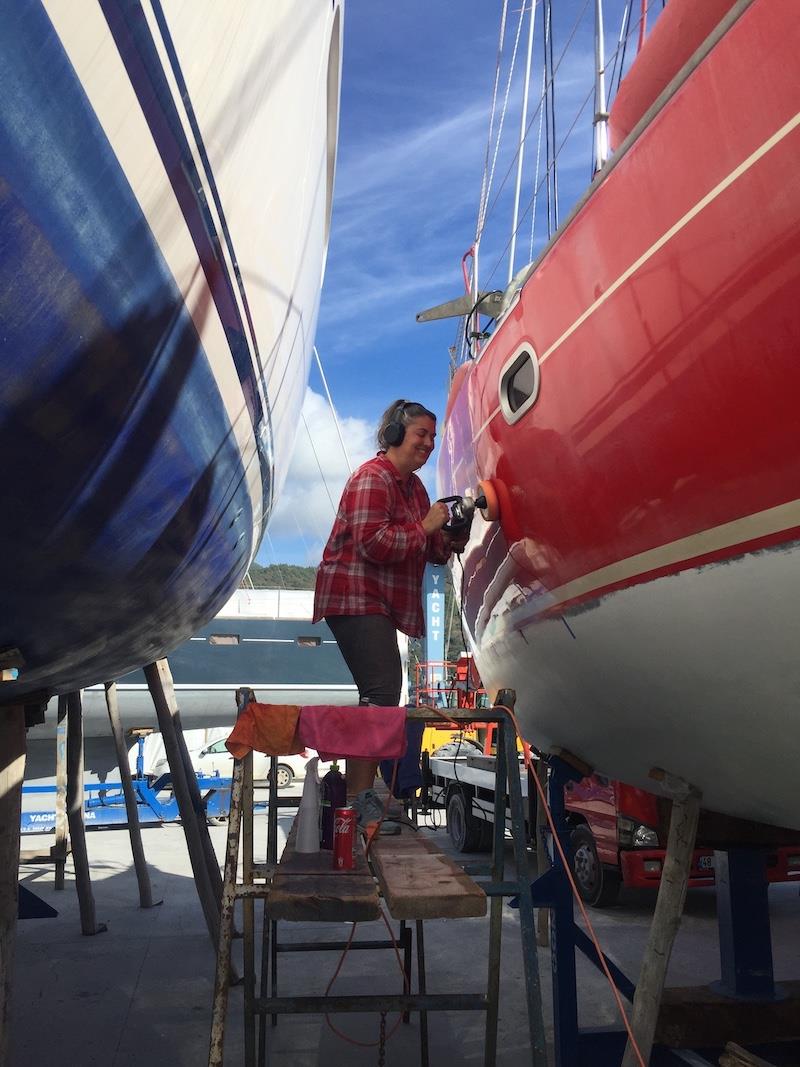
[404, 412]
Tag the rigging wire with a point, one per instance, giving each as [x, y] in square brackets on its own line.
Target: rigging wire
[545, 115]
[333, 410]
[549, 110]
[498, 64]
[521, 145]
[537, 171]
[568, 43]
[488, 178]
[560, 149]
[622, 44]
[482, 214]
[567, 867]
[319, 465]
[565, 139]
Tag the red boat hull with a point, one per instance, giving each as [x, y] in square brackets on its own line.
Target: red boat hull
[641, 589]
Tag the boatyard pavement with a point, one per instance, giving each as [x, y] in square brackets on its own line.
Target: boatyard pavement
[142, 991]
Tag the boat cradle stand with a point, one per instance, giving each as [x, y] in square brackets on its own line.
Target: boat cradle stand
[336, 896]
[694, 1024]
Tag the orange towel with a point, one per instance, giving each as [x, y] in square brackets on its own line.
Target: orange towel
[269, 728]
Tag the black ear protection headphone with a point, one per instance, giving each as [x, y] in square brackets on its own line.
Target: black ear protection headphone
[395, 431]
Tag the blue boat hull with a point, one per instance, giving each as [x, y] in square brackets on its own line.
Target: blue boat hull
[135, 484]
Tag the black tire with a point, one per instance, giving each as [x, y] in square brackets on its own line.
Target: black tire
[597, 884]
[285, 776]
[467, 833]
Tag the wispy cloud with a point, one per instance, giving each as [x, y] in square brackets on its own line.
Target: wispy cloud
[304, 515]
[305, 511]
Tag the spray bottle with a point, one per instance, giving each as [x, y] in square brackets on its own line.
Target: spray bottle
[307, 839]
[333, 796]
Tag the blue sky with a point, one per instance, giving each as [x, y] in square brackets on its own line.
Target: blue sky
[416, 97]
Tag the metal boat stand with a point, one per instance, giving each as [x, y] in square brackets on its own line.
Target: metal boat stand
[258, 879]
[745, 1002]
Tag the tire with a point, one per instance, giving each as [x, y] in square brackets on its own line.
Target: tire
[467, 833]
[597, 883]
[285, 776]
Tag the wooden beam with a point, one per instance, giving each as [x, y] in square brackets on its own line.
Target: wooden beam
[419, 882]
[699, 1017]
[12, 772]
[666, 920]
[159, 681]
[77, 830]
[131, 805]
[61, 847]
[735, 1056]
[306, 888]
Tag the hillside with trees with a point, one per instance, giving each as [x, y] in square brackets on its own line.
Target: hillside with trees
[282, 576]
[291, 576]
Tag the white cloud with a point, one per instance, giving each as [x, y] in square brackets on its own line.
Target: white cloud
[317, 474]
[304, 514]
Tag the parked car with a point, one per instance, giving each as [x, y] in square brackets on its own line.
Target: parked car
[214, 758]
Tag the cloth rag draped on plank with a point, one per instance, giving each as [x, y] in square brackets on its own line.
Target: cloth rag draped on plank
[353, 732]
[269, 728]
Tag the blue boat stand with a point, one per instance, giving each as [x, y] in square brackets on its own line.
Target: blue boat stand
[105, 803]
[744, 937]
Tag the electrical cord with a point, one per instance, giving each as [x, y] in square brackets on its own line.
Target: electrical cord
[579, 900]
[526, 752]
[384, 1037]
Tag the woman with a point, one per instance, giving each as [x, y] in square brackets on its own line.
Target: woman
[369, 584]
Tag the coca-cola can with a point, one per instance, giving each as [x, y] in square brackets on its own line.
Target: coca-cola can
[344, 839]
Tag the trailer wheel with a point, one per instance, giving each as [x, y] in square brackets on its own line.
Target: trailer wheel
[467, 833]
[597, 884]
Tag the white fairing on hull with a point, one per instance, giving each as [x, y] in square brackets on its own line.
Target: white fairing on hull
[630, 674]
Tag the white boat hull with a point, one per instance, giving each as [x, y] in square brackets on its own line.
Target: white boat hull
[627, 679]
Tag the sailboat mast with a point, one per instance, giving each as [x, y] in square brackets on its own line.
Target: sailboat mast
[600, 105]
[521, 146]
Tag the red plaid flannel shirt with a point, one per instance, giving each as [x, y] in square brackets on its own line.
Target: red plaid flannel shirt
[376, 554]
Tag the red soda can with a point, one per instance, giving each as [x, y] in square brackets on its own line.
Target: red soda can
[344, 839]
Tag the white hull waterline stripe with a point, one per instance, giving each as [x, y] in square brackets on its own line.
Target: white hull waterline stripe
[717, 538]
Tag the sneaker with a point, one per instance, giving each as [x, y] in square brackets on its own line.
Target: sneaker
[368, 807]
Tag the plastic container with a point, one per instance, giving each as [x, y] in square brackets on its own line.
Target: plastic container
[307, 839]
[333, 795]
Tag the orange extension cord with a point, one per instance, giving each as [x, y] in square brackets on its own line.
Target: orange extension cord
[526, 751]
[582, 907]
[346, 949]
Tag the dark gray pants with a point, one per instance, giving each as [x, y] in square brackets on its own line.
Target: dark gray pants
[368, 644]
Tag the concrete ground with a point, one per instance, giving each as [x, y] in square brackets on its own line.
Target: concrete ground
[142, 991]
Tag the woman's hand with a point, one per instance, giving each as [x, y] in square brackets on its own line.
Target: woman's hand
[436, 518]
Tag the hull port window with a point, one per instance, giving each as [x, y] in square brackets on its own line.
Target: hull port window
[224, 639]
[309, 642]
[519, 384]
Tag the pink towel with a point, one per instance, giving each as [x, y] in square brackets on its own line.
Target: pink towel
[353, 732]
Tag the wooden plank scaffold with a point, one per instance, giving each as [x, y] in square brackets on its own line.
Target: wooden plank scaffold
[353, 897]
